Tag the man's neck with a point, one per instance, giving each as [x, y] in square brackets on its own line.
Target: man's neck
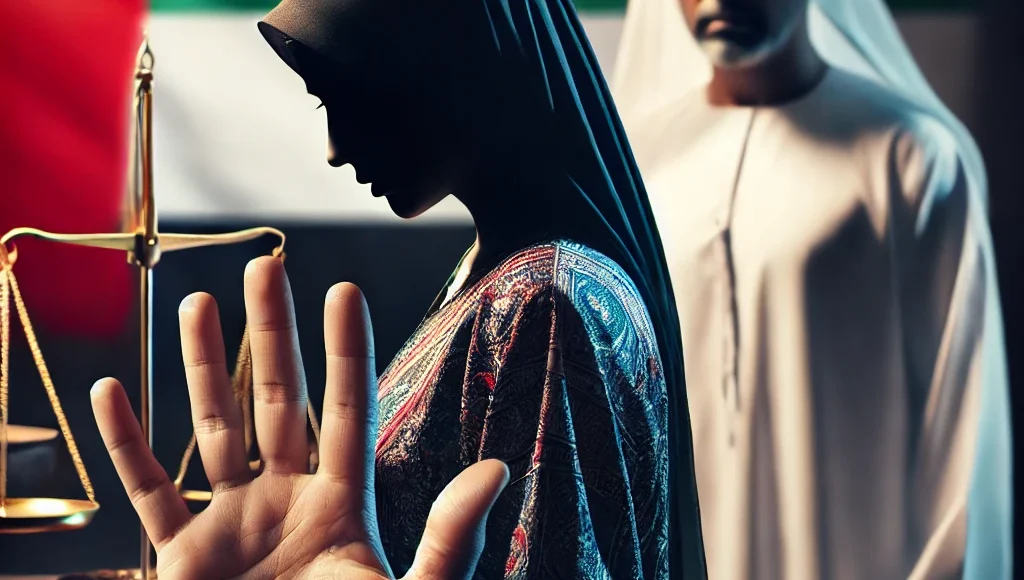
[792, 72]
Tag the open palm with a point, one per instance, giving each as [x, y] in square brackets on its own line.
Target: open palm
[284, 523]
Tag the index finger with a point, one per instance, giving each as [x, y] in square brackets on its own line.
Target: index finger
[349, 431]
[152, 494]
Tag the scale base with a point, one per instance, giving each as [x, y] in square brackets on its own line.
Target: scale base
[107, 575]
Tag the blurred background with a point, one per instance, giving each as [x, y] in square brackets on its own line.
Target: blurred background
[238, 143]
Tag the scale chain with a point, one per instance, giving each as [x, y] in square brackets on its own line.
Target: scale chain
[10, 290]
[5, 341]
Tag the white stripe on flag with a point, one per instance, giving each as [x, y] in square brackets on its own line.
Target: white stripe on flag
[237, 137]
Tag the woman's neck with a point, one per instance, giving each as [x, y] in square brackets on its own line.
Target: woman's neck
[792, 72]
[462, 275]
[509, 215]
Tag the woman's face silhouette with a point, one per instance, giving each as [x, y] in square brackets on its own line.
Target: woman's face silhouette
[394, 141]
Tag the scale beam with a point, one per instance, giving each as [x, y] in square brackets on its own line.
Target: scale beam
[129, 242]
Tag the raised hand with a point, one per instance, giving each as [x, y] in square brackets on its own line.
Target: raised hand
[284, 523]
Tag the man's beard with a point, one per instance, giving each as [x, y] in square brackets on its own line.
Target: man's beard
[724, 54]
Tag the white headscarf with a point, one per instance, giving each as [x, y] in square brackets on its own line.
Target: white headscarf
[659, 62]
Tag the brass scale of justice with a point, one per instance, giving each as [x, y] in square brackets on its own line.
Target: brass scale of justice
[144, 245]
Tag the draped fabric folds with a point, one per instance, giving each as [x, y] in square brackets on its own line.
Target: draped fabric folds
[549, 363]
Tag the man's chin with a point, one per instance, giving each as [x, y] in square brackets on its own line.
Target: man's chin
[732, 56]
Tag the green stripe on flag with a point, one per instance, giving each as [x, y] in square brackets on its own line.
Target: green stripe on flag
[581, 5]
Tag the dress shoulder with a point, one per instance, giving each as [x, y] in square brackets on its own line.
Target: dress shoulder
[580, 277]
[595, 307]
[602, 294]
[576, 294]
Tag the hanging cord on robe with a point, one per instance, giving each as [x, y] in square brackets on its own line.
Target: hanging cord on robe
[730, 265]
[8, 290]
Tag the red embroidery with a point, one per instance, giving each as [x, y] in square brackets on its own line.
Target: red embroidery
[518, 549]
[488, 379]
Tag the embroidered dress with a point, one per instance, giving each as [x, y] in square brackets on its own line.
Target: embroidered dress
[549, 363]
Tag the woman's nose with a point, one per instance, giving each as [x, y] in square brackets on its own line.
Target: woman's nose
[333, 159]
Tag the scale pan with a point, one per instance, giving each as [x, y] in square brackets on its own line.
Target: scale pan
[23, 435]
[135, 574]
[32, 515]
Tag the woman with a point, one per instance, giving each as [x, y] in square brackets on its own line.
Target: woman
[555, 345]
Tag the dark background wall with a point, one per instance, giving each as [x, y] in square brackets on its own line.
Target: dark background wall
[1001, 138]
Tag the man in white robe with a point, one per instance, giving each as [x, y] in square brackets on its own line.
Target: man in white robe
[823, 216]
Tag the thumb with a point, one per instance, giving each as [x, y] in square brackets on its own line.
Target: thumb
[454, 536]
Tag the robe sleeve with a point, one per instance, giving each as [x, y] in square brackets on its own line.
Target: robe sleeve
[959, 496]
[581, 430]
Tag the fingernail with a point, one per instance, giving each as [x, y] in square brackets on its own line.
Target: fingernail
[250, 267]
[188, 304]
[507, 477]
[95, 388]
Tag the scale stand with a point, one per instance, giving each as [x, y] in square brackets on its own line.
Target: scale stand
[144, 245]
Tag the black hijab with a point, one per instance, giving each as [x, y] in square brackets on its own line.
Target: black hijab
[522, 74]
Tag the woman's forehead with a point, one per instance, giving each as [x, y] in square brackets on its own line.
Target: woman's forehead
[315, 70]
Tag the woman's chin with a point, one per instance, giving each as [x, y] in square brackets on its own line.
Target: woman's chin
[408, 206]
[410, 202]
[403, 206]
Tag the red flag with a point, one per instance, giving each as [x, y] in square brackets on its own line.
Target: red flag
[66, 74]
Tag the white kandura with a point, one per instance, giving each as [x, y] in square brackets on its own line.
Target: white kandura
[842, 333]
